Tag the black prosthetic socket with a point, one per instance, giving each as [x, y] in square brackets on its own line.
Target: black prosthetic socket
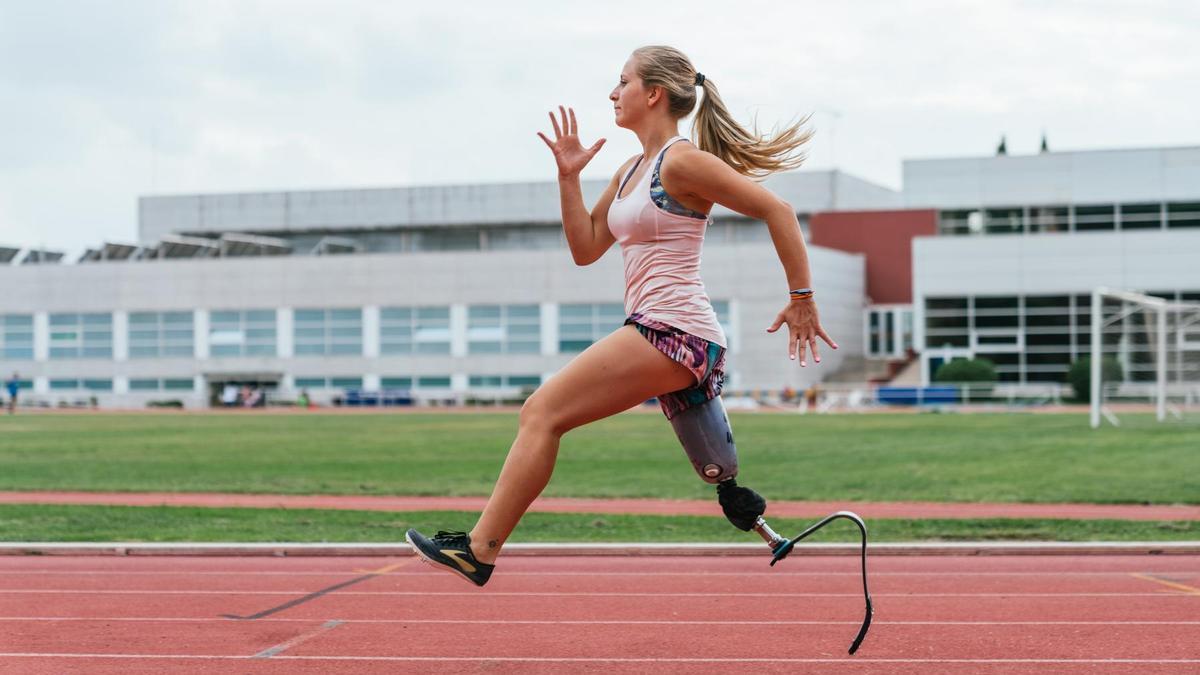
[742, 506]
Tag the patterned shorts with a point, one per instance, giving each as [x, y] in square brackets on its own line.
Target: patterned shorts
[705, 359]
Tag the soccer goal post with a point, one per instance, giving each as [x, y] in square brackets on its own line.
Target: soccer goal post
[1144, 349]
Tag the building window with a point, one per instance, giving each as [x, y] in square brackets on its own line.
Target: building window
[502, 381]
[328, 382]
[581, 325]
[72, 384]
[76, 336]
[155, 334]
[395, 383]
[1004, 221]
[504, 329]
[164, 384]
[16, 337]
[1141, 216]
[1049, 219]
[889, 331]
[1095, 218]
[1183, 214]
[414, 330]
[242, 333]
[328, 332]
[433, 382]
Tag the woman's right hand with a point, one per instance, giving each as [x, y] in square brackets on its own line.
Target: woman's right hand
[570, 155]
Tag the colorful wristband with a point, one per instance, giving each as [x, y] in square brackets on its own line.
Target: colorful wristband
[800, 293]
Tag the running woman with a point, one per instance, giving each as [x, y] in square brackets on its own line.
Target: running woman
[656, 207]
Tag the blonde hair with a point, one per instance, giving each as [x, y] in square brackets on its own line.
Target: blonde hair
[714, 129]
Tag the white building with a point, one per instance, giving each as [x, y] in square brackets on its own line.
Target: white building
[449, 292]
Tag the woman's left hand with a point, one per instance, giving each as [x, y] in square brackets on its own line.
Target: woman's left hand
[803, 329]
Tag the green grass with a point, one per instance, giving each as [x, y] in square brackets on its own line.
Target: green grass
[979, 457]
[188, 524]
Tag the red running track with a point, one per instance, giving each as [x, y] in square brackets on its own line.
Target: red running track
[1020, 614]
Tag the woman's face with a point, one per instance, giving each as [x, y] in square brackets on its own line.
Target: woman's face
[628, 97]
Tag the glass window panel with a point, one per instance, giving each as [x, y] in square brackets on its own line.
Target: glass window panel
[313, 382]
[96, 352]
[64, 319]
[483, 313]
[433, 348]
[225, 350]
[939, 304]
[309, 316]
[433, 381]
[18, 353]
[309, 350]
[343, 349]
[98, 385]
[346, 382]
[140, 318]
[433, 313]
[1095, 218]
[96, 319]
[351, 315]
[524, 347]
[524, 380]
[63, 384]
[396, 313]
[260, 350]
[1183, 214]
[484, 347]
[396, 382]
[18, 320]
[224, 317]
[143, 385]
[179, 384]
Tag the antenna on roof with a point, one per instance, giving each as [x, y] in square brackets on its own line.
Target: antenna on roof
[1045, 146]
[1002, 149]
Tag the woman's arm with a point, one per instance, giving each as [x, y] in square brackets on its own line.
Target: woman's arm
[703, 176]
[587, 234]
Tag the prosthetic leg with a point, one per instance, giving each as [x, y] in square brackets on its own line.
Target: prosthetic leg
[707, 438]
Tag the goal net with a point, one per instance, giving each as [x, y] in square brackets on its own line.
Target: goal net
[1144, 358]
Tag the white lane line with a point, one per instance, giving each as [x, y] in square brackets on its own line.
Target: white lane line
[551, 659]
[620, 622]
[568, 594]
[771, 574]
[288, 644]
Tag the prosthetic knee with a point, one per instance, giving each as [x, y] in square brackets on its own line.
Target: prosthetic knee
[707, 438]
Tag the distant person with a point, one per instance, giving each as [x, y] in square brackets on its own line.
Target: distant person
[13, 385]
[671, 346]
[229, 395]
[304, 401]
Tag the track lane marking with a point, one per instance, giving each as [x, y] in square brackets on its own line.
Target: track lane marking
[550, 659]
[568, 594]
[302, 599]
[684, 622]
[288, 644]
[1190, 590]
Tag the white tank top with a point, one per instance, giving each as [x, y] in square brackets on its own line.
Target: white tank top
[661, 251]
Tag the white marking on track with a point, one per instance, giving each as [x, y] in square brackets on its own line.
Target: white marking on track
[550, 659]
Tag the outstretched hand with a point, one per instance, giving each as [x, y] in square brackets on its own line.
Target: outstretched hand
[803, 329]
[569, 153]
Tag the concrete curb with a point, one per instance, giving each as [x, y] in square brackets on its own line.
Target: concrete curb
[285, 549]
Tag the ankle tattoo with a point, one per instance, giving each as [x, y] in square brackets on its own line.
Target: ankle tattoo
[493, 543]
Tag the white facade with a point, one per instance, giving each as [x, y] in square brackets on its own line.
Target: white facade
[747, 278]
[1035, 235]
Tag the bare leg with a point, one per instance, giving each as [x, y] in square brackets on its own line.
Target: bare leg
[612, 375]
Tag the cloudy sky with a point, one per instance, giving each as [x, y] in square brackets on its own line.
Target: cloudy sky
[102, 102]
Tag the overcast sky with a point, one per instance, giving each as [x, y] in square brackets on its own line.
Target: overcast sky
[102, 102]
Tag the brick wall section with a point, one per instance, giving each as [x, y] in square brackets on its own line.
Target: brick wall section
[885, 238]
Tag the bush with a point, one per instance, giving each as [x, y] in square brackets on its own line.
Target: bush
[1080, 375]
[966, 370]
[975, 377]
[171, 403]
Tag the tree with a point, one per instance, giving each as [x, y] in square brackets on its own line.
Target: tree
[1080, 375]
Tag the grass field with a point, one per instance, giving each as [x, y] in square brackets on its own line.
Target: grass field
[926, 457]
[946, 457]
[173, 524]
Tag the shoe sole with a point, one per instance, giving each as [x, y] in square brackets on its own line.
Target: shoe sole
[437, 563]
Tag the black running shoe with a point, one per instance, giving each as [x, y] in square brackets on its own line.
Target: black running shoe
[451, 550]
